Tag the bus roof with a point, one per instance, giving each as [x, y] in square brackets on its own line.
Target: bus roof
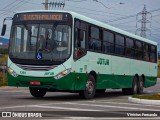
[98, 23]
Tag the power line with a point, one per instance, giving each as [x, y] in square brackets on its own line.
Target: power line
[130, 16]
[20, 3]
[94, 10]
[8, 5]
[124, 22]
[82, 8]
[76, 0]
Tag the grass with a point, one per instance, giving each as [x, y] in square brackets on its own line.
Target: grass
[4, 58]
[149, 97]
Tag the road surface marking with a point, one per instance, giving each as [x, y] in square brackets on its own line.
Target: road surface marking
[64, 108]
[110, 118]
[12, 107]
[16, 91]
[124, 103]
[106, 106]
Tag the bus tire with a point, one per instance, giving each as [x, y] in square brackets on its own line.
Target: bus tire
[140, 85]
[90, 88]
[133, 90]
[37, 92]
[135, 85]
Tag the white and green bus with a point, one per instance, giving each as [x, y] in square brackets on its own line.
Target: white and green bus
[65, 51]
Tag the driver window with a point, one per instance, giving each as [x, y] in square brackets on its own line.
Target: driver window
[45, 39]
[62, 36]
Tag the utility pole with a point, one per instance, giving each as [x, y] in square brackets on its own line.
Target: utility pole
[143, 22]
[54, 4]
[46, 4]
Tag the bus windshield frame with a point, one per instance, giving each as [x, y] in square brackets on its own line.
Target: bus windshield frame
[44, 41]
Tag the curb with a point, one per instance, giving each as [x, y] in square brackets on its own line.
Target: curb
[144, 101]
[12, 88]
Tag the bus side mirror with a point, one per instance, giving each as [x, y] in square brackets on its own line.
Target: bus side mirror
[3, 30]
[5, 26]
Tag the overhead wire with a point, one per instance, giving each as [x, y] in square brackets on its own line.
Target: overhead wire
[8, 5]
[12, 8]
[76, 0]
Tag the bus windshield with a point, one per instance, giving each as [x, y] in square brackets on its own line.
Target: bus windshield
[51, 42]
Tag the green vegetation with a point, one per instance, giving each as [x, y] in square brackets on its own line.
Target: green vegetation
[149, 97]
[3, 82]
[3, 51]
[3, 58]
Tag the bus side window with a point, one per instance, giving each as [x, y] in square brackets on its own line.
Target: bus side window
[138, 50]
[152, 53]
[119, 45]
[129, 47]
[146, 51]
[80, 38]
[94, 41]
[108, 42]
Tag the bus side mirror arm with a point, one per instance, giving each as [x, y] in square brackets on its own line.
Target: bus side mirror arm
[5, 26]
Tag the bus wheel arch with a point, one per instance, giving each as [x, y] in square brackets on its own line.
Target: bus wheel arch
[93, 73]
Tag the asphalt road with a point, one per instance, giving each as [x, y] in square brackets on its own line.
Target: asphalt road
[56, 105]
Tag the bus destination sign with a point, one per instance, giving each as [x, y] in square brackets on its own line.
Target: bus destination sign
[41, 17]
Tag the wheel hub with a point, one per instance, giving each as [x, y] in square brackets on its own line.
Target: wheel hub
[89, 87]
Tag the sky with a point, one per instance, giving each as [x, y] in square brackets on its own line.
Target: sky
[118, 13]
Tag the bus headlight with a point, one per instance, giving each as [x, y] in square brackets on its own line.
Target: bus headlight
[12, 72]
[62, 74]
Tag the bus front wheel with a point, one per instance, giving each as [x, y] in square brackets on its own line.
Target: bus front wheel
[37, 92]
[90, 90]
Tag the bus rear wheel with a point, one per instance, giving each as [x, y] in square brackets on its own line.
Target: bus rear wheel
[135, 85]
[133, 90]
[37, 92]
[140, 85]
[90, 88]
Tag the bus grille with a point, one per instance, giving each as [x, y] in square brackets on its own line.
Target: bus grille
[36, 68]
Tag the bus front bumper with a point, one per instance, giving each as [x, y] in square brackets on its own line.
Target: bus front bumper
[68, 82]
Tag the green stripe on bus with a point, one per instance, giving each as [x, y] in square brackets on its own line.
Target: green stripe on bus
[77, 81]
